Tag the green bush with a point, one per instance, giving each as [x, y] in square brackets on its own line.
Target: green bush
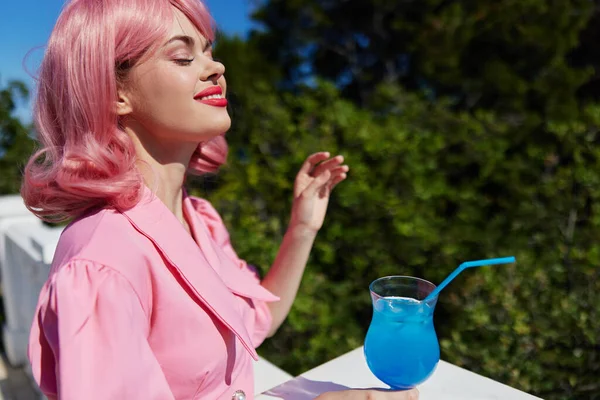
[429, 187]
[15, 143]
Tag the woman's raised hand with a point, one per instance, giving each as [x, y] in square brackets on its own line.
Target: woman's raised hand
[317, 177]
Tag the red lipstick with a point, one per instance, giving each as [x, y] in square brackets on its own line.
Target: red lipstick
[214, 101]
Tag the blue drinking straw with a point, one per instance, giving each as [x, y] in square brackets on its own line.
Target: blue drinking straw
[465, 265]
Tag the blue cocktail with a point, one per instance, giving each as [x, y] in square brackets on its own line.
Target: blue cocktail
[401, 346]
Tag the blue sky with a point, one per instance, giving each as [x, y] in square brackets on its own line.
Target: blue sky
[25, 26]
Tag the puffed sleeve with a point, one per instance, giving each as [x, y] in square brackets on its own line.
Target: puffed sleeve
[89, 338]
[261, 324]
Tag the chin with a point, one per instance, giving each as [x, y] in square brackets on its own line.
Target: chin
[220, 126]
[218, 129]
[207, 133]
[207, 129]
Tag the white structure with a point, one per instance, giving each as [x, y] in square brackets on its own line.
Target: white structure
[26, 250]
[350, 370]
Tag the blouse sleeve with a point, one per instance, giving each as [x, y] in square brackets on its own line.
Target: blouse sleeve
[263, 318]
[89, 338]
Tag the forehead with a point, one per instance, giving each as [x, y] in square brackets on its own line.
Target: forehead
[182, 26]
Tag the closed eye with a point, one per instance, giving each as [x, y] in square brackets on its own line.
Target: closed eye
[183, 61]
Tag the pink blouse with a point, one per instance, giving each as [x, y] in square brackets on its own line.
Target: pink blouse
[136, 308]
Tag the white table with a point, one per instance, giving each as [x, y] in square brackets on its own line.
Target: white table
[350, 370]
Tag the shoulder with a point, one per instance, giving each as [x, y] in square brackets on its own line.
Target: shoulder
[80, 282]
[102, 237]
[106, 238]
[205, 208]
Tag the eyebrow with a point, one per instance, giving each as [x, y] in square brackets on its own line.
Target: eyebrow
[188, 40]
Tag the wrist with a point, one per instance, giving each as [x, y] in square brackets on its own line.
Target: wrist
[301, 231]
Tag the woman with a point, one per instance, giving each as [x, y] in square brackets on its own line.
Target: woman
[146, 298]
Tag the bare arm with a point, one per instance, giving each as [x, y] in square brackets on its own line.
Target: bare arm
[283, 279]
[312, 188]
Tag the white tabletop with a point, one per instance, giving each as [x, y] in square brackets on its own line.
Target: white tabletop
[350, 370]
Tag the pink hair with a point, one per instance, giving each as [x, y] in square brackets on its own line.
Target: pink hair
[86, 161]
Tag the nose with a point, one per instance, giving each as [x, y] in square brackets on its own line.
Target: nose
[212, 71]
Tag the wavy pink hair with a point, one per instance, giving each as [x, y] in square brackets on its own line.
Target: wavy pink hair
[86, 161]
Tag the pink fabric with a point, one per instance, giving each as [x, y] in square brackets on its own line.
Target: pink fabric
[135, 308]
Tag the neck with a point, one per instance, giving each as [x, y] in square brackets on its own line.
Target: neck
[163, 167]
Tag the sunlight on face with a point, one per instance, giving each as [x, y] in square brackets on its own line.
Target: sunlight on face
[178, 95]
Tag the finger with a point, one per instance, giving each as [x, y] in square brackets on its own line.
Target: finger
[339, 170]
[335, 172]
[312, 160]
[317, 184]
[335, 180]
[329, 164]
[412, 394]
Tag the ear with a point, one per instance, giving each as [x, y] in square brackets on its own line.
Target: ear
[123, 103]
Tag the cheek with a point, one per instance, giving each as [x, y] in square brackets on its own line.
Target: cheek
[223, 84]
[164, 86]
